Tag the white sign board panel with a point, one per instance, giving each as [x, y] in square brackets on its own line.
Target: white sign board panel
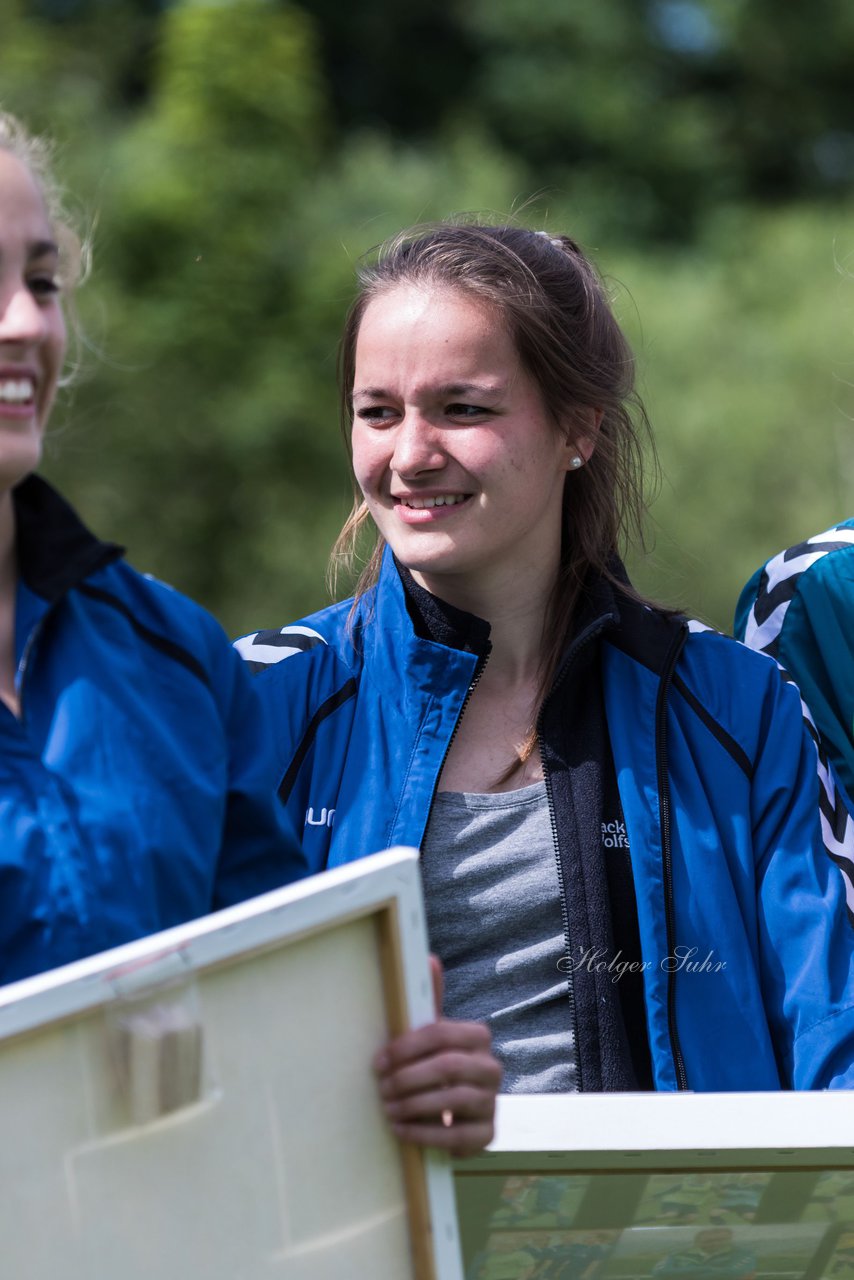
[201, 1103]
[663, 1186]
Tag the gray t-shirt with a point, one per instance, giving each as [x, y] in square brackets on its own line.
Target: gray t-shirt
[491, 886]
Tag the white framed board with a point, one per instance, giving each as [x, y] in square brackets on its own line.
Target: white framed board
[736, 1186]
[201, 1103]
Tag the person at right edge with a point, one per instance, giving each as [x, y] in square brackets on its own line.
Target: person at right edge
[799, 608]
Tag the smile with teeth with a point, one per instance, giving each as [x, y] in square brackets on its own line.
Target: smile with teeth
[441, 500]
[16, 390]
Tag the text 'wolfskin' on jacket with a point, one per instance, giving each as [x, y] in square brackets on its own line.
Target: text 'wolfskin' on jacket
[133, 788]
[745, 932]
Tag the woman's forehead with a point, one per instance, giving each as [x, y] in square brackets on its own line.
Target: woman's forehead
[22, 207]
[449, 324]
[420, 298]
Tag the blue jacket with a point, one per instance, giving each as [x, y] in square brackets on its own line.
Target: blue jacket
[746, 939]
[132, 792]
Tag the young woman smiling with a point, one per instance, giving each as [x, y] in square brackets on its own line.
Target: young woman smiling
[597, 786]
[131, 796]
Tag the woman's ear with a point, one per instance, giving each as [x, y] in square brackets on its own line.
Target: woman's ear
[581, 439]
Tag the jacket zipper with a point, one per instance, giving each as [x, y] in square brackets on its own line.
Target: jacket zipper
[109, 556]
[24, 664]
[666, 850]
[585, 637]
[570, 986]
[475, 681]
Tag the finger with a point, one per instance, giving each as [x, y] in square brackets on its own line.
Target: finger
[438, 977]
[441, 1071]
[447, 1034]
[463, 1102]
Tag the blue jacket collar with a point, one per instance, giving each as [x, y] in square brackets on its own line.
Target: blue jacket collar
[434, 620]
[55, 549]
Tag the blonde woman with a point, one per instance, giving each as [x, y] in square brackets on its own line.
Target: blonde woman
[131, 795]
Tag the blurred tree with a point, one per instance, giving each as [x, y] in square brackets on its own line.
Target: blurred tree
[645, 114]
[650, 114]
[206, 438]
[782, 78]
[94, 54]
[239, 154]
[746, 346]
[404, 68]
[196, 201]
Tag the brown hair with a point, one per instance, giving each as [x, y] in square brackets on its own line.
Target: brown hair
[558, 314]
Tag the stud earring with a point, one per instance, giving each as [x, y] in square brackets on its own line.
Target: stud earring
[576, 462]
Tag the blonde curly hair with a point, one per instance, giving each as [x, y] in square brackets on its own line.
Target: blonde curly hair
[37, 155]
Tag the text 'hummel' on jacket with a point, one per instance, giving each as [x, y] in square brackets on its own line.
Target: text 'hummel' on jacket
[745, 936]
[133, 795]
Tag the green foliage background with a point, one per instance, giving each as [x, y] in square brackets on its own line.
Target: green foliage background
[232, 158]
